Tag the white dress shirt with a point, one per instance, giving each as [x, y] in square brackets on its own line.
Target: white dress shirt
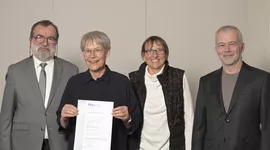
[189, 113]
[49, 76]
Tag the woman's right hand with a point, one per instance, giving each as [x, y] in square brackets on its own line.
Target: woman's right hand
[69, 111]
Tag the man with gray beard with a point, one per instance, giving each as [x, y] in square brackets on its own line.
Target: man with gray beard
[33, 90]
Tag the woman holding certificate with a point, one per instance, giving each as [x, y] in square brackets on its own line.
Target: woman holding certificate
[99, 107]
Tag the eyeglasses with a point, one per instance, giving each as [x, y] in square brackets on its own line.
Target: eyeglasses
[149, 52]
[96, 51]
[40, 39]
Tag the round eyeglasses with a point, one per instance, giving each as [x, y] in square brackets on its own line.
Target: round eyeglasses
[96, 51]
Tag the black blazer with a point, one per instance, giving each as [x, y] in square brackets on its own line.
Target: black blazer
[246, 126]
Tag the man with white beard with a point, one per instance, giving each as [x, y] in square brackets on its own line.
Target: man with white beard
[33, 90]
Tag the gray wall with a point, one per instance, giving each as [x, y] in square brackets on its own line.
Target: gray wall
[188, 26]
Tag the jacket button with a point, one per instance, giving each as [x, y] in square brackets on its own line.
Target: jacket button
[227, 120]
[41, 129]
[225, 139]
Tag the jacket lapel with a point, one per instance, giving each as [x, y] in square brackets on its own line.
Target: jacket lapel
[242, 80]
[57, 73]
[218, 90]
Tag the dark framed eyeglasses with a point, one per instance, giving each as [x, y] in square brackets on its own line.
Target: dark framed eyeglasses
[40, 39]
[149, 52]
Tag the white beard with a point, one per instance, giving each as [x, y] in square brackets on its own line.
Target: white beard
[40, 53]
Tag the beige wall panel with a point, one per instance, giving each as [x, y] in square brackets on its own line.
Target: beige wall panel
[123, 21]
[258, 34]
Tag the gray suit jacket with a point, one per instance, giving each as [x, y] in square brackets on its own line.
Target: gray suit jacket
[23, 115]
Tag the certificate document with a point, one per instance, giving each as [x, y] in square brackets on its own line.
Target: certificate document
[93, 125]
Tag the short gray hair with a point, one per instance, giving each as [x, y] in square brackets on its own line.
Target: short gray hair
[227, 28]
[98, 37]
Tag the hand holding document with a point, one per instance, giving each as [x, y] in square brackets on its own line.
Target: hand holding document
[93, 125]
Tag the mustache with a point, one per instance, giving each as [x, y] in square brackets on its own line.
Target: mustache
[47, 48]
[228, 54]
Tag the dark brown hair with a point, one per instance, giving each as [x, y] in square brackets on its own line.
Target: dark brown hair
[157, 40]
[44, 23]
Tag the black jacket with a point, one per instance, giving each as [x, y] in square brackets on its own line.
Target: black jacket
[246, 125]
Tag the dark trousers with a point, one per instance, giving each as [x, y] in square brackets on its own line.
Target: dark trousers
[45, 145]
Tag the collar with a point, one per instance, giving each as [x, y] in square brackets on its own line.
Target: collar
[37, 62]
[161, 76]
[243, 67]
[155, 75]
[105, 77]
